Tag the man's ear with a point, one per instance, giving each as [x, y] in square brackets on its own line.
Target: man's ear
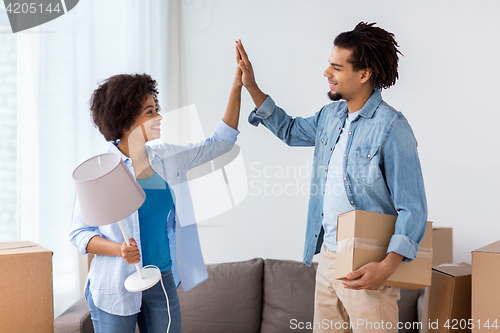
[366, 74]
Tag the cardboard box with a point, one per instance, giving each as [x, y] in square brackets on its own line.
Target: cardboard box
[26, 300]
[486, 288]
[442, 246]
[442, 253]
[450, 298]
[363, 237]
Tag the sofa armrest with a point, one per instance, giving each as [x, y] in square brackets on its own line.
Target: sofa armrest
[76, 319]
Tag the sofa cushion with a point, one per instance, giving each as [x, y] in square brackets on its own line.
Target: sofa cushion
[288, 295]
[408, 310]
[229, 301]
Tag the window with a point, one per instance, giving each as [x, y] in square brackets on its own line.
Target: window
[8, 132]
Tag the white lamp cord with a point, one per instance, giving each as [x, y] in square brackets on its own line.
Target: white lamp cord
[166, 296]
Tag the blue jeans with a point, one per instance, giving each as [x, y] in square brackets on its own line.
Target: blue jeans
[153, 317]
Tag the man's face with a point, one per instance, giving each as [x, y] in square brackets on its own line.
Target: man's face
[344, 82]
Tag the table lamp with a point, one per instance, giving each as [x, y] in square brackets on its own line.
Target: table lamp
[107, 193]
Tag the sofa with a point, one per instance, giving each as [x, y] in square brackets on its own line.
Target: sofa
[268, 296]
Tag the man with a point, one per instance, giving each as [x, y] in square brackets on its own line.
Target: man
[365, 157]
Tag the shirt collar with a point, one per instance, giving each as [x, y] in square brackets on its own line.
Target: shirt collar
[370, 106]
[113, 148]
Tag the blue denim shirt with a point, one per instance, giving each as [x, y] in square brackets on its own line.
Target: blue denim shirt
[108, 273]
[381, 166]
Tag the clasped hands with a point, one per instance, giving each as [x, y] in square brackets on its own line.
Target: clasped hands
[244, 70]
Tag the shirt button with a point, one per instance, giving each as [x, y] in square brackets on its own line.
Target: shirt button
[326, 170]
[322, 140]
[352, 201]
[177, 263]
[350, 133]
[340, 127]
[331, 149]
[321, 214]
[369, 155]
[345, 155]
[345, 178]
[315, 235]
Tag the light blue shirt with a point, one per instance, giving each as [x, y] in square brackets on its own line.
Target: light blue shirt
[108, 273]
[381, 168]
[336, 201]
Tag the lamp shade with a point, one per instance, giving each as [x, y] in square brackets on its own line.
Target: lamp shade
[106, 190]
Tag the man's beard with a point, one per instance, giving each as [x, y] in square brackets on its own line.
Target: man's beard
[334, 96]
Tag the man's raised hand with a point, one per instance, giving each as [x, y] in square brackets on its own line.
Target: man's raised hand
[248, 76]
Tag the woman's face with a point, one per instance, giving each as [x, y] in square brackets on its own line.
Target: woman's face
[147, 124]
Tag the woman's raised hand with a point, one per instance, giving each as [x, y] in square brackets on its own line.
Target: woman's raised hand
[238, 75]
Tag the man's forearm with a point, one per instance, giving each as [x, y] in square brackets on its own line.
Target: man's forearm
[257, 95]
[392, 261]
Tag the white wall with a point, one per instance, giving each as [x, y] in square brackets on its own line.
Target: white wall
[447, 88]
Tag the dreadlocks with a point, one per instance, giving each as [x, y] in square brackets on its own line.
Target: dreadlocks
[374, 48]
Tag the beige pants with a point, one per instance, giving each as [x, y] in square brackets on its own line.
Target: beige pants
[337, 309]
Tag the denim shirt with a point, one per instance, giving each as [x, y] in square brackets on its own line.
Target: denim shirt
[381, 166]
[108, 273]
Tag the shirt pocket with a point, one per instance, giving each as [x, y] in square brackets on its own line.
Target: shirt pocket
[367, 165]
[321, 141]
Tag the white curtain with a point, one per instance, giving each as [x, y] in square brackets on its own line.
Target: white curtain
[59, 65]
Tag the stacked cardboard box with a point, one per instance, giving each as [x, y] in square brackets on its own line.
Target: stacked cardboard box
[363, 237]
[442, 246]
[485, 288]
[26, 301]
[450, 297]
[442, 253]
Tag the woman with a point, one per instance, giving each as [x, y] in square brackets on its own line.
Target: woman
[125, 110]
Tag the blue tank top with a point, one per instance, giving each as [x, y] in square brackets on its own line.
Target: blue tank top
[153, 222]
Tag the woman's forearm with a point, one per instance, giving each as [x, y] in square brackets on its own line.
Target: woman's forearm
[232, 115]
[104, 247]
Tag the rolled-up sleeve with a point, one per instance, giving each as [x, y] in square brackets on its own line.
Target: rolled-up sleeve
[294, 131]
[81, 233]
[218, 144]
[404, 246]
[263, 112]
[224, 132]
[405, 181]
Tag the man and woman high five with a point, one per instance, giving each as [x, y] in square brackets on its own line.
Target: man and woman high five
[365, 157]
